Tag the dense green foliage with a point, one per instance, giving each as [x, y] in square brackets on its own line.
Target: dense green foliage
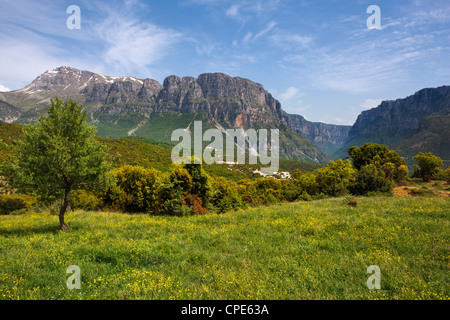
[379, 155]
[429, 165]
[135, 189]
[58, 154]
[335, 178]
[17, 203]
[371, 180]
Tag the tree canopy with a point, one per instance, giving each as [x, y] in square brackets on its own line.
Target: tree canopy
[58, 154]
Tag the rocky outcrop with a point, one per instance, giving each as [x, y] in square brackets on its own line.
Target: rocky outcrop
[328, 137]
[394, 121]
[8, 113]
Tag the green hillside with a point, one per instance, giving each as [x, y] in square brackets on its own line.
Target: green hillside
[155, 154]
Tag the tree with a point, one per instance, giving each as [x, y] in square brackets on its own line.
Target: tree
[335, 177]
[370, 179]
[135, 190]
[200, 184]
[429, 164]
[58, 154]
[387, 160]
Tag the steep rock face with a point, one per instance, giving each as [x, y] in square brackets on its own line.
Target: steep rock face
[393, 121]
[328, 137]
[432, 135]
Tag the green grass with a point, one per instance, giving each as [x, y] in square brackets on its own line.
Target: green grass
[305, 250]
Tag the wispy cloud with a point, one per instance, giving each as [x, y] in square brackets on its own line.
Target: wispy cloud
[233, 11]
[132, 44]
[249, 37]
[113, 39]
[269, 27]
[292, 100]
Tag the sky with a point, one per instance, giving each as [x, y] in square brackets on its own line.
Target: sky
[319, 58]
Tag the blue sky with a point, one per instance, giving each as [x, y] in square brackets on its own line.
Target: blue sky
[317, 57]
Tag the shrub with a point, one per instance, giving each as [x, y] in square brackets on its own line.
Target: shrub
[85, 200]
[402, 173]
[388, 161]
[15, 203]
[175, 195]
[335, 178]
[305, 196]
[181, 179]
[200, 182]
[291, 192]
[429, 165]
[248, 192]
[225, 196]
[135, 189]
[369, 181]
[443, 175]
[175, 204]
[194, 202]
[306, 181]
[270, 189]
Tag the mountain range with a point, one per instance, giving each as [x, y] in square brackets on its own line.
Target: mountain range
[130, 106]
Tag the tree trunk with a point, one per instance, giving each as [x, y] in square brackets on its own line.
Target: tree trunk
[63, 209]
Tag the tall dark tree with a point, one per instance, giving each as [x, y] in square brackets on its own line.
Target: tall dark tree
[58, 154]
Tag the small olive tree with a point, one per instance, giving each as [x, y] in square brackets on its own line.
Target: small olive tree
[58, 154]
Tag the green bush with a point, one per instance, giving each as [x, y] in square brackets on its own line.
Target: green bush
[226, 196]
[200, 182]
[85, 200]
[388, 161]
[305, 196]
[306, 181]
[136, 189]
[443, 175]
[291, 192]
[173, 203]
[175, 194]
[15, 203]
[371, 181]
[249, 194]
[429, 165]
[335, 178]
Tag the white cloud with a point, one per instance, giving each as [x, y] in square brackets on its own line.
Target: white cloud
[269, 27]
[292, 100]
[132, 44]
[3, 88]
[290, 93]
[291, 41]
[249, 37]
[370, 104]
[233, 11]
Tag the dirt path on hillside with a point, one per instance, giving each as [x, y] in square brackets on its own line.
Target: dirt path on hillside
[409, 192]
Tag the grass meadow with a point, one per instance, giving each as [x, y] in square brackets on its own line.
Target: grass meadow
[305, 250]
